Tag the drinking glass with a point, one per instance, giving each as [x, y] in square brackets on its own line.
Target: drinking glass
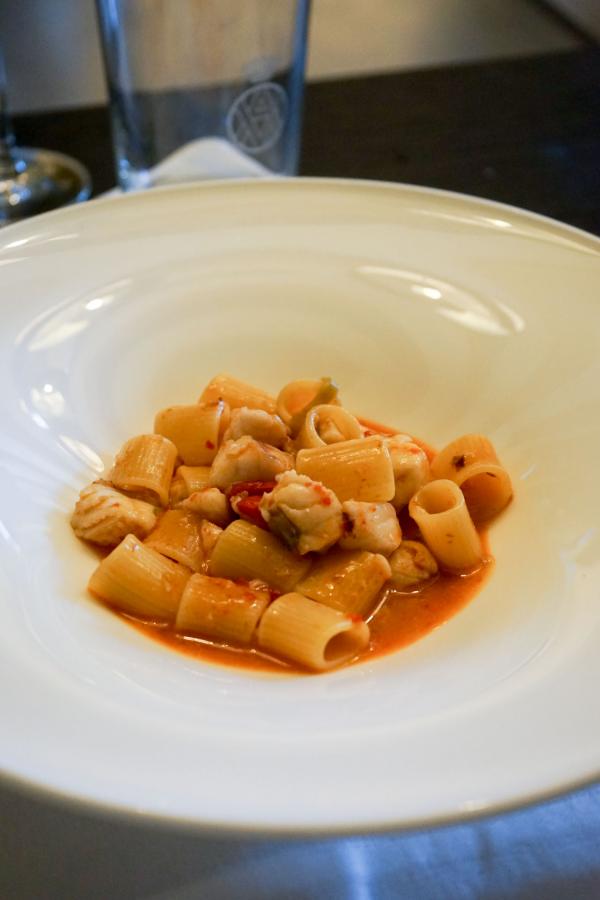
[203, 87]
[34, 181]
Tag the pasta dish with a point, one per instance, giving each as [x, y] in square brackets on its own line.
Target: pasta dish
[285, 531]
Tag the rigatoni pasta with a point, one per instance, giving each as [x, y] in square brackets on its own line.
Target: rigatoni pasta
[140, 581]
[440, 511]
[178, 535]
[186, 480]
[309, 633]
[471, 462]
[284, 530]
[355, 470]
[245, 551]
[347, 580]
[236, 394]
[144, 465]
[195, 430]
[221, 609]
[327, 424]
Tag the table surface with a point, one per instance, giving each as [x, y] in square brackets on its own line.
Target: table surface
[524, 132]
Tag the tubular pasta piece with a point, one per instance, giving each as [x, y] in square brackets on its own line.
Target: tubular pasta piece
[236, 393]
[328, 424]
[187, 480]
[221, 609]
[178, 535]
[354, 470]
[471, 462]
[440, 511]
[144, 465]
[209, 535]
[196, 430]
[140, 581]
[298, 397]
[346, 580]
[311, 634]
[245, 551]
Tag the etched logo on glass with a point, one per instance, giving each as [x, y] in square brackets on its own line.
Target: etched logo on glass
[257, 117]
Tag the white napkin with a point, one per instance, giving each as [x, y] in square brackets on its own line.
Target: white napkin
[202, 159]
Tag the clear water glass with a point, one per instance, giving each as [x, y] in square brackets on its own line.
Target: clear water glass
[211, 85]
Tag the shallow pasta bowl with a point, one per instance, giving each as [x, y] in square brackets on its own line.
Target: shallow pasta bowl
[436, 313]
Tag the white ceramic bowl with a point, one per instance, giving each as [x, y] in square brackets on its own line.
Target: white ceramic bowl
[437, 313]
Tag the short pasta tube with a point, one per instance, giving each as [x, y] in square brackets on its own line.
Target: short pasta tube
[196, 430]
[140, 581]
[471, 462]
[236, 393]
[347, 580]
[311, 634]
[440, 511]
[354, 470]
[178, 535]
[246, 551]
[144, 465]
[221, 609]
[188, 479]
[296, 398]
[327, 424]
[210, 534]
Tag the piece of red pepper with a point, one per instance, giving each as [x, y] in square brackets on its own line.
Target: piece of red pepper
[247, 508]
[253, 488]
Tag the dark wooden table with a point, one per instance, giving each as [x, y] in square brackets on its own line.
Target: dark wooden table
[525, 132]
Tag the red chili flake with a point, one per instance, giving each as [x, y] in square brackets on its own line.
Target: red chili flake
[210, 445]
[114, 505]
[324, 495]
[459, 462]
[354, 617]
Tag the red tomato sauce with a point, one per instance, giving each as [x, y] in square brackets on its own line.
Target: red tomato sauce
[400, 618]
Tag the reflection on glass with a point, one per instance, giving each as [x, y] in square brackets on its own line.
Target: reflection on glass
[34, 181]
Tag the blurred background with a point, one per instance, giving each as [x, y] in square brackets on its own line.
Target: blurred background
[53, 57]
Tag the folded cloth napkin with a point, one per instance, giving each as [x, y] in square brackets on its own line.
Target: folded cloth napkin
[203, 159]
[206, 158]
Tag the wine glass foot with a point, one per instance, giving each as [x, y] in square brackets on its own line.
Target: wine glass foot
[40, 180]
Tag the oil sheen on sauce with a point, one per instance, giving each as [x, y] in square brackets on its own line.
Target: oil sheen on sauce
[400, 619]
